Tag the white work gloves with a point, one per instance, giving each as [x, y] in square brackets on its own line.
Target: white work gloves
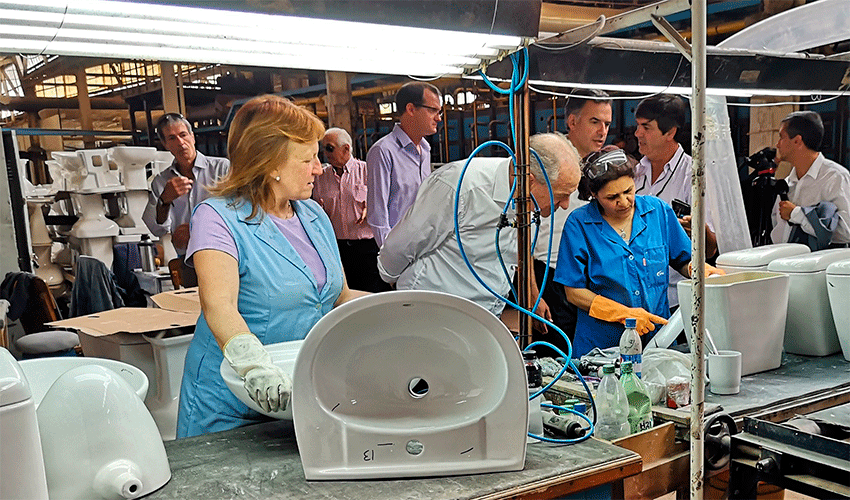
[265, 382]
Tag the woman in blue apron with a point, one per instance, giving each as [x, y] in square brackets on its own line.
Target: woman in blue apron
[267, 262]
[615, 254]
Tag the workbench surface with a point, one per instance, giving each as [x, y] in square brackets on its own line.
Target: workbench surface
[802, 384]
[261, 461]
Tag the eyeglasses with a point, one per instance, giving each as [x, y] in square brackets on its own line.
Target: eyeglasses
[329, 148]
[597, 163]
[437, 111]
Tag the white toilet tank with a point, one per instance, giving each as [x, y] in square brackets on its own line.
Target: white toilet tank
[838, 288]
[757, 259]
[744, 312]
[21, 464]
[810, 328]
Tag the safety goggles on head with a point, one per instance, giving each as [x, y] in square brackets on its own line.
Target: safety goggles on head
[597, 163]
[169, 118]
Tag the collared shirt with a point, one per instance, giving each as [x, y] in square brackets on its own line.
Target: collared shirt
[396, 169]
[344, 198]
[674, 183]
[207, 171]
[556, 223]
[825, 180]
[594, 256]
[422, 253]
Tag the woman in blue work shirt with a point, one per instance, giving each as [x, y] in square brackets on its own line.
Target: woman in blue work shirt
[615, 254]
[267, 261]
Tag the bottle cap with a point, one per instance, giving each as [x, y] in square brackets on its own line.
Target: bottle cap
[631, 323]
[608, 369]
[530, 354]
[626, 367]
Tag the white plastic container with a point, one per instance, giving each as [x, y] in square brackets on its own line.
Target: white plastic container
[810, 329]
[838, 289]
[745, 312]
[757, 259]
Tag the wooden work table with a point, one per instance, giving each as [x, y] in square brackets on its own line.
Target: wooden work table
[261, 461]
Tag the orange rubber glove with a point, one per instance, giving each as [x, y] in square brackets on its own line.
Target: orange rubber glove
[709, 271]
[607, 310]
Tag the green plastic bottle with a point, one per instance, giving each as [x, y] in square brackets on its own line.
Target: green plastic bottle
[640, 406]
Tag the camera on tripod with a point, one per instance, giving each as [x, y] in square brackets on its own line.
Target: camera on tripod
[760, 189]
[763, 165]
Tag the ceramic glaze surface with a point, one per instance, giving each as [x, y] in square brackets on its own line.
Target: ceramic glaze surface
[757, 259]
[810, 329]
[745, 312]
[98, 439]
[405, 384]
[838, 287]
[43, 372]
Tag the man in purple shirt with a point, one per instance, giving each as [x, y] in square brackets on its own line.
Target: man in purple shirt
[398, 162]
[341, 191]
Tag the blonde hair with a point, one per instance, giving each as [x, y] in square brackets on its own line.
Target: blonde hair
[258, 143]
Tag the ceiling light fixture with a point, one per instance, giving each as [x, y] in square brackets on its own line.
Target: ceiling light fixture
[122, 29]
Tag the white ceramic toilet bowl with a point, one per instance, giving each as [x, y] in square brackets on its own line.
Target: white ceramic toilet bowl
[758, 258]
[810, 329]
[98, 438]
[21, 464]
[43, 372]
[838, 287]
[90, 437]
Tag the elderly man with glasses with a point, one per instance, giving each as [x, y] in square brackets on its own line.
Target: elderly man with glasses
[341, 191]
[401, 160]
[179, 188]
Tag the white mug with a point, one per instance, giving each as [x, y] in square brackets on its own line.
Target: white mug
[724, 371]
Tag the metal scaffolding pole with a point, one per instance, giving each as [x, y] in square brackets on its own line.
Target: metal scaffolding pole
[698, 81]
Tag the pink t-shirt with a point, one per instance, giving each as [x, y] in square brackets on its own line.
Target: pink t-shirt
[210, 232]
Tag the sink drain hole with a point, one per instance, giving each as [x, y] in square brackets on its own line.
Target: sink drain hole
[418, 387]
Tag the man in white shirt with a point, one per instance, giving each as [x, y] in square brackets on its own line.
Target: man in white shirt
[588, 119]
[421, 252]
[813, 180]
[665, 169]
[179, 188]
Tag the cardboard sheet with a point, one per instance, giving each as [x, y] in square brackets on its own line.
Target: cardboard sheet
[182, 300]
[129, 320]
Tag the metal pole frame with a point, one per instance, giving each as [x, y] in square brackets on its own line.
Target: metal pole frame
[698, 82]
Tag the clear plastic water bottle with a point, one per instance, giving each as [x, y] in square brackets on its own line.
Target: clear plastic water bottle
[612, 407]
[631, 348]
[640, 406]
[535, 382]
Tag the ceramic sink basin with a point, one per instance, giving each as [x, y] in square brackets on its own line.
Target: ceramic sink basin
[132, 155]
[409, 383]
[283, 355]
